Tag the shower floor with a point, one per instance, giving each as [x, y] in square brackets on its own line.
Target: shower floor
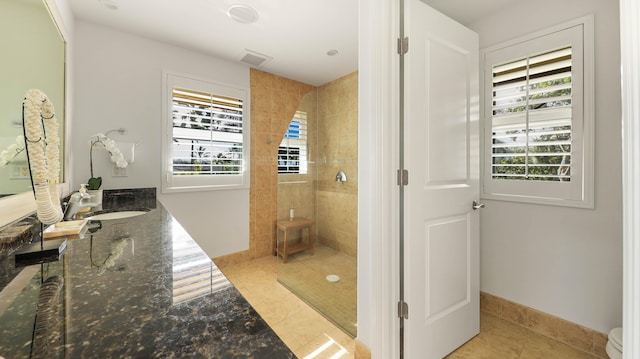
[305, 275]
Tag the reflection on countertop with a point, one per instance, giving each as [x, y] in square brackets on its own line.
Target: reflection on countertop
[138, 287]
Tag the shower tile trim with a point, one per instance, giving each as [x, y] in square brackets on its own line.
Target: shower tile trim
[575, 335]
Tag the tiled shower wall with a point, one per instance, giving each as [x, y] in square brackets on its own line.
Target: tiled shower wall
[274, 101]
[333, 146]
[298, 190]
[337, 203]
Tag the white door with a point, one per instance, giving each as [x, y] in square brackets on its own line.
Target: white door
[442, 157]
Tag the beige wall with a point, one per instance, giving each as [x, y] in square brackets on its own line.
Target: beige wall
[274, 101]
[332, 120]
[337, 203]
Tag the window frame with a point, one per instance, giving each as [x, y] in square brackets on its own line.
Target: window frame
[579, 191]
[180, 183]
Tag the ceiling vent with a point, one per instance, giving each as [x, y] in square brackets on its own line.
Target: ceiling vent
[253, 58]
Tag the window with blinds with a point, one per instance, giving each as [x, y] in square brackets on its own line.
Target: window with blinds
[206, 135]
[292, 152]
[538, 117]
[531, 118]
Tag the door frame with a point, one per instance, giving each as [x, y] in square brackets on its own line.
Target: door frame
[630, 48]
[378, 137]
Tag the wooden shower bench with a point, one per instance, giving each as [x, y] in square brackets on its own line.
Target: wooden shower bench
[285, 226]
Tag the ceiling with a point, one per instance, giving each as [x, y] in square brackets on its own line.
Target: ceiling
[467, 12]
[295, 34]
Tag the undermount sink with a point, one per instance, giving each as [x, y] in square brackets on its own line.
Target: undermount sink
[115, 215]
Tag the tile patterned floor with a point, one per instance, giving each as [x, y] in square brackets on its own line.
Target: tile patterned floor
[504, 340]
[306, 333]
[310, 335]
[305, 275]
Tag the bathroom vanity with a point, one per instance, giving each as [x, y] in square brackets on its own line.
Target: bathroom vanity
[137, 287]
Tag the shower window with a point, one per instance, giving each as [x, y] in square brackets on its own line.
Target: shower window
[292, 152]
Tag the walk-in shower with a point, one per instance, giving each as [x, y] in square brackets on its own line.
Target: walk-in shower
[317, 201]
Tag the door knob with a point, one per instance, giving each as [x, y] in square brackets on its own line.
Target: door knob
[476, 205]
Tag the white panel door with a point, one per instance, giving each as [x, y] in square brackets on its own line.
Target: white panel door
[442, 157]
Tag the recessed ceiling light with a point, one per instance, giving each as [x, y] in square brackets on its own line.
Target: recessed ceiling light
[243, 14]
[332, 52]
[109, 4]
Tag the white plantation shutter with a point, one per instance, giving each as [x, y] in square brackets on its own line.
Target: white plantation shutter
[538, 113]
[292, 152]
[206, 145]
[531, 118]
[207, 134]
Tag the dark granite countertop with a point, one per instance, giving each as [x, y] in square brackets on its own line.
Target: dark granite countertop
[138, 287]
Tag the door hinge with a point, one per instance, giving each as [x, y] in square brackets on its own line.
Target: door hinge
[403, 177]
[403, 46]
[403, 310]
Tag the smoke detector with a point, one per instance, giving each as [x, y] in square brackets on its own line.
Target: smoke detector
[253, 58]
[243, 14]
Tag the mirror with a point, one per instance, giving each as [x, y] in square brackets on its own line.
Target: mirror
[33, 57]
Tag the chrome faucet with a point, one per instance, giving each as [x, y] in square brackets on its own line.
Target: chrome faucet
[78, 201]
[341, 177]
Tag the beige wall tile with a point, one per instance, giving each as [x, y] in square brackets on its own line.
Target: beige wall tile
[491, 304]
[260, 79]
[278, 103]
[263, 246]
[514, 312]
[295, 88]
[279, 83]
[542, 323]
[575, 335]
[272, 96]
[337, 138]
[361, 351]
[541, 347]
[260, 99]
[260, 122]
[600, 344]
[586, 341]
[274, 101]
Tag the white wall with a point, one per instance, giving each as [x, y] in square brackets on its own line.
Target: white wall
[118, 84]
[563, 261]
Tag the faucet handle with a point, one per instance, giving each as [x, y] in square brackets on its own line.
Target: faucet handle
[83, 191]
